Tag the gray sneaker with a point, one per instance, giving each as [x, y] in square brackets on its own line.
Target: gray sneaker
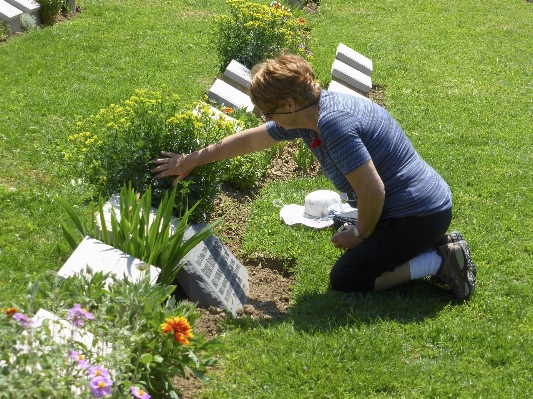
[454, 270]
[456, 237]
[450, 238]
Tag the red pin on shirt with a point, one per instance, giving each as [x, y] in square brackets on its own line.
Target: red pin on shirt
[316, 143]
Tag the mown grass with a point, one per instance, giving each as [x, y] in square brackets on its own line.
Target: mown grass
[458, 78]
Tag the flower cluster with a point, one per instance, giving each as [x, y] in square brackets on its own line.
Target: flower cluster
[77, 315]
[23, 319]
[127, 353]
[253, 32]
[99, 380]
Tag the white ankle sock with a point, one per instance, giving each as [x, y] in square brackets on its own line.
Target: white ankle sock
[425, 265]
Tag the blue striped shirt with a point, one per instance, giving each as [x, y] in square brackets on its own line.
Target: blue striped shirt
[353, 131]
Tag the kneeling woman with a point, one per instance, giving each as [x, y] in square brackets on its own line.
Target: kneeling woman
[404, 206]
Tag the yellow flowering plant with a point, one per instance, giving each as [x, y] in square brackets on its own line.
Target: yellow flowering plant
[115, 146]
[252, 32]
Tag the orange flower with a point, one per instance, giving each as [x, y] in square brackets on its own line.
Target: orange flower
[227, 110]
[180, 327]
[302, 21]
[11, 311]
[277, 6]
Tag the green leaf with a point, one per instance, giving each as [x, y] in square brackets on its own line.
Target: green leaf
[103, 226]
[72, 213]
[69, 236]
[146, 358]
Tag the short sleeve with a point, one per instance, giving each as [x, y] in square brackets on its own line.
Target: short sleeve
[281, 134]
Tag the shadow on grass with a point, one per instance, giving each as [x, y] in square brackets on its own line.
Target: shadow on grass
[410, 303]
[322, 312]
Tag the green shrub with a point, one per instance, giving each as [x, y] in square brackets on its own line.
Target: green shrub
[115, 147]
[254, 32]
[49, 10]
[27, 21]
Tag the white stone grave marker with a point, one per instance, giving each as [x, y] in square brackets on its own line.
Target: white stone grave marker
[225, 94]
[351, 76]
[354, 59]
[100, 257]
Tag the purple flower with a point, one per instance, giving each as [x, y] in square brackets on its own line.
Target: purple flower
[23, 320]
[79, 358]
[97, 371]
[100, 386]
[77, 315]
[139, 393]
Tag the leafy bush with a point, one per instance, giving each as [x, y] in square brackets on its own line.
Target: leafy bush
[254, 32]
[116, 146]
[142, 338]
[49, 10]
[27, 21]
[158, 239]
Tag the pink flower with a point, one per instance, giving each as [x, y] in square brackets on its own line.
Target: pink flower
[97, 371]
[23, 320]
[139, 393]
[77, 315]
[80, 359]
[100, 386]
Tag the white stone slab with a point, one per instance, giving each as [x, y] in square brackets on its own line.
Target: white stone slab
[224, 94]
[340, 88]
[28, 6]
[352, 76]
[354, 59]
[8, 12]
[239, 73]
[100, 257]
[10, 17]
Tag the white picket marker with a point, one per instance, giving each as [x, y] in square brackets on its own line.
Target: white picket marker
[351, 76]
[10, 17]
[225, 94]
[354, 59]
[239, 73]
[340, 88]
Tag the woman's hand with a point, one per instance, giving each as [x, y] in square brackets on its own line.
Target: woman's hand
[179, 165]
[346, 239]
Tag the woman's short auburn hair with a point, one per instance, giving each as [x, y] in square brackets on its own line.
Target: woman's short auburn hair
[287, 76]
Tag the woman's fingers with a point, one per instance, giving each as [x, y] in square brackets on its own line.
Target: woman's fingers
[172, 165]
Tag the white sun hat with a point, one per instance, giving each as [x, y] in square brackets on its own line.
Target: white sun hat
[318, 211]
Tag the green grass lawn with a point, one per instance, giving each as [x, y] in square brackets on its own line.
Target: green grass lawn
[458, 76]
